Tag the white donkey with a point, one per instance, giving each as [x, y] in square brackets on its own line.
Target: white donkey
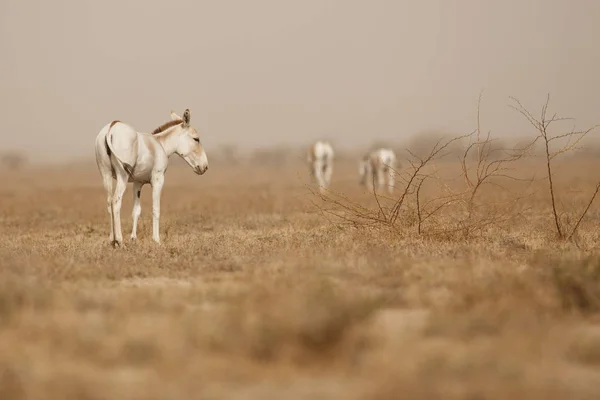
[379, 166]
[320, 159]
[125, 155]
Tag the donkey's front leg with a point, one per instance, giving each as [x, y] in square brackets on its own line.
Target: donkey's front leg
[157, 185]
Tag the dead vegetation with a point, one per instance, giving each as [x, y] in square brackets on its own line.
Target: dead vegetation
[254, 294]
[491, 187]
[556, 144]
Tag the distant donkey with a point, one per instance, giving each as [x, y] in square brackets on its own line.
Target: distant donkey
[378, 166]
[125, 155]
[320, 159]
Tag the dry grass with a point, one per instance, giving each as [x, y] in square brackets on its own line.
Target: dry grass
[255, 294]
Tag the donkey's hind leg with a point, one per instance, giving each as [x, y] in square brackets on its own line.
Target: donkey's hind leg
[117, 200]
[107, 181]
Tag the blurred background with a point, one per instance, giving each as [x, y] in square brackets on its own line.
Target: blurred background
[270, 73]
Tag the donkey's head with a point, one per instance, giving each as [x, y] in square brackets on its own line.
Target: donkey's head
[188, 145]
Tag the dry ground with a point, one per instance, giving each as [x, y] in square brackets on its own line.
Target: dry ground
[254, 294]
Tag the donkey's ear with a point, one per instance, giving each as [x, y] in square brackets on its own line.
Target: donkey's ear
[186, 117]
[175, 116]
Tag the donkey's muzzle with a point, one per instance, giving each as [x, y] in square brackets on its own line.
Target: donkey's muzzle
[200, 170]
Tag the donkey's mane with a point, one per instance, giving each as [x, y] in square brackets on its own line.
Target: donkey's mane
[166, 126]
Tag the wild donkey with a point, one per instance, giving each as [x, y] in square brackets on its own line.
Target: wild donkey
[320, 159]
[377, 166]
[125, 155]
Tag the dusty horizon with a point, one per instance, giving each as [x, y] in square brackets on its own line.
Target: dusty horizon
[280, 73]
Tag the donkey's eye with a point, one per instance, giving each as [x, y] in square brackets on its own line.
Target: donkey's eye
[197, 139]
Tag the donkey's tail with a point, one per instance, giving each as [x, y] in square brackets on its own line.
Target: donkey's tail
[109, 149]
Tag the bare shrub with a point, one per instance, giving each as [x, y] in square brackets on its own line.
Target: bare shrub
[556, 144]
[388, 210]
[486, 162]
[466, 208]
[454, 208]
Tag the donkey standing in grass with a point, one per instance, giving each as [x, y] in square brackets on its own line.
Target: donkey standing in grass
[379, 166]
[125, 155]
[320, 159]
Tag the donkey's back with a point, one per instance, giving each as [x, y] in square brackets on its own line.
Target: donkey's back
[387, 157]
[321, 151]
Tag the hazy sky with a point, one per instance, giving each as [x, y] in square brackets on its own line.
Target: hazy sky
[266, 72]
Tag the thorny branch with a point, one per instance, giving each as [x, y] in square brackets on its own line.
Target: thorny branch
[542, 125]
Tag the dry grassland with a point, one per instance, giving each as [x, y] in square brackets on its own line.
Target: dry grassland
[256, 294]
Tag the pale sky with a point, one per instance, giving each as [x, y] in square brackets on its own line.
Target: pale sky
[267, 72]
